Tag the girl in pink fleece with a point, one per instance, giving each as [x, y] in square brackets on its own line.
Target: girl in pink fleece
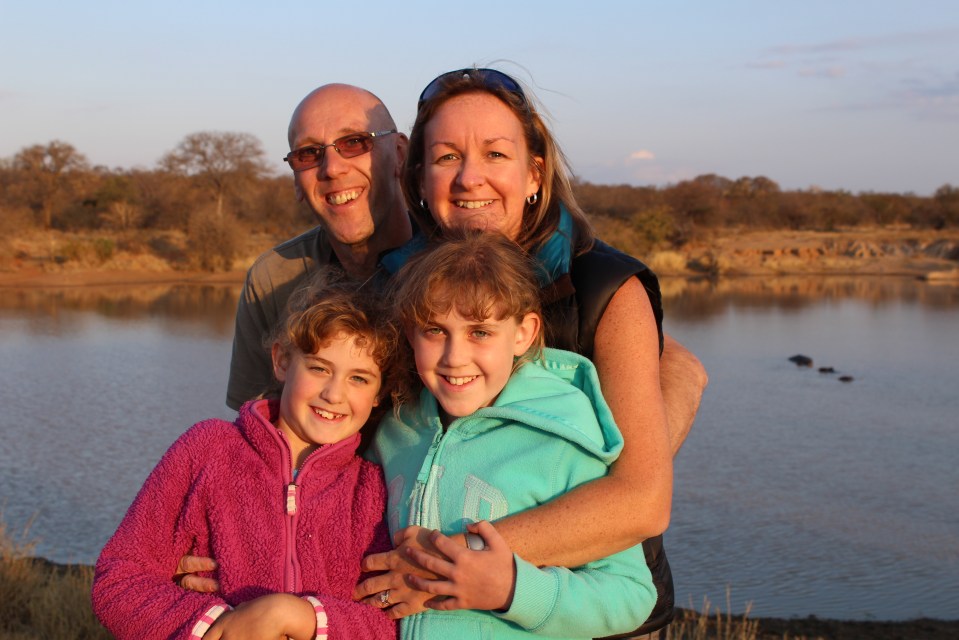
[279, 497]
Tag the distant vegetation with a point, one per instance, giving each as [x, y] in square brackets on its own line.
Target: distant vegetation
[216, 187]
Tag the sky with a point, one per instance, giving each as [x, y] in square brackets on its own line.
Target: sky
[859, 96]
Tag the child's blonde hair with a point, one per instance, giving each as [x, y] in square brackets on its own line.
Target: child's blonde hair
[479, 274]
[328, 305]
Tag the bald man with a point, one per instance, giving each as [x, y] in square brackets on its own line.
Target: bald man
[346, 155]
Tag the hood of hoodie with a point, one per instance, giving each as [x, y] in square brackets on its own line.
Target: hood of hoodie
[545, 395]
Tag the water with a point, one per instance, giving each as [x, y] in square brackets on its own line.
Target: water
[95, 384]
[801, 494]
[805, 495]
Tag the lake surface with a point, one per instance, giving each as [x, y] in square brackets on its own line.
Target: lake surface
[798, 493]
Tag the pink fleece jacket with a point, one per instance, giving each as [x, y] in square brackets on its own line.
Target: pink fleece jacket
[224, 490]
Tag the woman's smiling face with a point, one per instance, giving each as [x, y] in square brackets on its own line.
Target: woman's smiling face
[477, 170]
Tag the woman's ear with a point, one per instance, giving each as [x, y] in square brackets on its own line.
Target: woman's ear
[526, 333]
[535, 178]
[281, 360]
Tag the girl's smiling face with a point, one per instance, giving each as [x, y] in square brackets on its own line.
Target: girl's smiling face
[328, 395]
[465, 363]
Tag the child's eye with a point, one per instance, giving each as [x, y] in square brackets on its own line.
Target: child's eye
[318, 369]
[481, 333]
[433, 331]
[359, 379]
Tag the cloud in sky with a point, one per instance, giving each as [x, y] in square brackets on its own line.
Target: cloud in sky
[822, 72]
[831, 59]
[642, 154]
[766, 64]
[858, 44]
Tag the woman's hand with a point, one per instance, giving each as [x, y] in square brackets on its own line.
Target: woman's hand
[190, 565]
[469, 579]
[404, 600]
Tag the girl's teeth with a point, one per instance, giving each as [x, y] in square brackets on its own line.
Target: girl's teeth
[326, 414]
[457, 382]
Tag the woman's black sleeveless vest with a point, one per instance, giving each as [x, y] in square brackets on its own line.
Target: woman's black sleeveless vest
[572, 308]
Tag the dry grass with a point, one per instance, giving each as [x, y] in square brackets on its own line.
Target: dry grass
[39, 600]
[712, 624]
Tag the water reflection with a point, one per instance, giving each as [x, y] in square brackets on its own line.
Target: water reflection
[686, 298]
[211, 305]
[692, 298]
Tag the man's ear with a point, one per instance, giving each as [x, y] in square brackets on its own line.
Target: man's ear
[402, 148]
[526, 333]
[281, 360]
[297, 190]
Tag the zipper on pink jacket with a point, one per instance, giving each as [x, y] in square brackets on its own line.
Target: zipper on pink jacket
[292, 582]
[291, 573]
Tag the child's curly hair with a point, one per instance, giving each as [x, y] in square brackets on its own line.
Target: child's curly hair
[329, 304]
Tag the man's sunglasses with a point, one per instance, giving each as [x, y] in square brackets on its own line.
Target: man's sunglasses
[355, 144]
[490, 78]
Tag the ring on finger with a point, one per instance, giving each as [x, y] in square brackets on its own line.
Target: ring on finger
[385, 598]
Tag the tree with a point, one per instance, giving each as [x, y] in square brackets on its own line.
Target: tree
[947, 199]
[697, 202]
[219, 159]
[752, 201]
[45, 173]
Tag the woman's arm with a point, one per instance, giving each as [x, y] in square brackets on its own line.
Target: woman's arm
[633, 502]
[613, 595]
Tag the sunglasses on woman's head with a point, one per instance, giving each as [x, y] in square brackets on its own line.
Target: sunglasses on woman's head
[490, 78]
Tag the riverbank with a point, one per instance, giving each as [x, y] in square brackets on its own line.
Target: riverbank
[60, 259]
[902, 252]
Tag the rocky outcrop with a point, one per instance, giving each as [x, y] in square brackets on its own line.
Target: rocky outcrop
[804, 252]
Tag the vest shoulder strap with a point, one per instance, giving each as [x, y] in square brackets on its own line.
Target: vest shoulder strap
[597, 275]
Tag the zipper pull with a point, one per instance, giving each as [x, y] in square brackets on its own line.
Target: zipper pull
[291, 499]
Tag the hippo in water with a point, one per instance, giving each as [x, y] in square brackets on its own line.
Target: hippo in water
[801, 360]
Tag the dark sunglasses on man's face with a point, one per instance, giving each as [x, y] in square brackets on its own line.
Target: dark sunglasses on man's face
[355, 144]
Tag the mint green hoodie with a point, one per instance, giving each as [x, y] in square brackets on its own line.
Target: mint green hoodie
[548, 431]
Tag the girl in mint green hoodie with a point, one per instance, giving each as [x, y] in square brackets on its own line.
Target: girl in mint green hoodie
[501, 425]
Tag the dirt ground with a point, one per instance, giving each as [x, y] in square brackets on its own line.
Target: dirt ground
[922, 629]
